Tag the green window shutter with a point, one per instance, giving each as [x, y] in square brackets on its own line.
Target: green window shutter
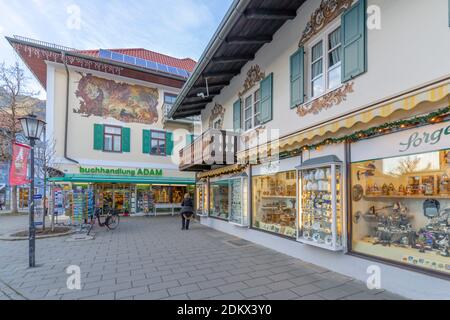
[237, 114]
[146, 141]
[266, 87]
[297, 78]
[126, 140]
[98, 137]
[354, 45]
[169, 143]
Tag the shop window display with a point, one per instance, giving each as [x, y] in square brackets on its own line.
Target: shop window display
[219, 199]
[239, 196]
[145, 202]
[161, 194]
[274, 203]
[320, 210]
[401, 209]
[201, 198]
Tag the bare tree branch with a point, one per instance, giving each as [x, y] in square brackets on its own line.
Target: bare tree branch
[15, 102]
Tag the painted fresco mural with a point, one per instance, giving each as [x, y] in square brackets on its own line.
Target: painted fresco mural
[121, 101]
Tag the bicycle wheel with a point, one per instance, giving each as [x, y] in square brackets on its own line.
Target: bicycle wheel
[112, 222]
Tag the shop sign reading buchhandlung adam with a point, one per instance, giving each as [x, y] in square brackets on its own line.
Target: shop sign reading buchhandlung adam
[122, 172]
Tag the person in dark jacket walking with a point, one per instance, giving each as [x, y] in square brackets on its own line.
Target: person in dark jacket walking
[187, 211]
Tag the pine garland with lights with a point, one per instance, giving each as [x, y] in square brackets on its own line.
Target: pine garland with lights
[434, 117]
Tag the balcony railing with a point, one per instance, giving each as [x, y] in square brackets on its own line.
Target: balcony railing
[166, 109]
[214, 148]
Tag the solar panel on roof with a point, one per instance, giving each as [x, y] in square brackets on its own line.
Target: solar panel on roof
[162, 67]
[148, 64]
[141, 62]
[151, 65]
[117, 56]
[129, 59]
[105, 54]
[173, 70]
[184, 73]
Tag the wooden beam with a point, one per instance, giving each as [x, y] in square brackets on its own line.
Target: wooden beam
[212, 85]
[197, 103]
[249, 40]
[270, 14]
[233, 59]
[186, 114]
[211, 94]
[221, 74]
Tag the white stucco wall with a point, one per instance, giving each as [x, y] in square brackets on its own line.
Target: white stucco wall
[410, 50]
[81, 129]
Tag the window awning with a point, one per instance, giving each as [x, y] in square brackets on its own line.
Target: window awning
[407, 102]
[237, 168]
[74, 178]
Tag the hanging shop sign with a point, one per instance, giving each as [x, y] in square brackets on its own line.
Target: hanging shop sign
[122, 172]
[408, 142]
[19, 165]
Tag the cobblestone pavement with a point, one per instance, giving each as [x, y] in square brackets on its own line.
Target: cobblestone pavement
[151, 258]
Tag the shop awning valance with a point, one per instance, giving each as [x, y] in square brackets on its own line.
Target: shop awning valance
[407, 102]
[222, 171]
[74, 178]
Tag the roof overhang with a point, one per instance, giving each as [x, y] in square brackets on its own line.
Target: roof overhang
[247, 26]
[36, 53]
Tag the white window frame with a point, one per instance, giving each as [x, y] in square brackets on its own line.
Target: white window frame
[324, 37]
[251, 95]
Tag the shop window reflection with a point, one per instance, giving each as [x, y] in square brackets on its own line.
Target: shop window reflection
[219, 199]
[401, 210]
[274, 203]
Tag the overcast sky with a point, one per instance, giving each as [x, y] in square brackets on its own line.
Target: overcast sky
[180, 28]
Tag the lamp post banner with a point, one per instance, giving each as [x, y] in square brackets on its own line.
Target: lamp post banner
[19, 165]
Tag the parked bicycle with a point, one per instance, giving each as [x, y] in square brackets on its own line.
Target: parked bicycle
[111, 221]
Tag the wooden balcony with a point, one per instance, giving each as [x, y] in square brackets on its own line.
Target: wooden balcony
[213, 149]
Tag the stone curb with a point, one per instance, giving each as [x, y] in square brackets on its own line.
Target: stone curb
[11, 238]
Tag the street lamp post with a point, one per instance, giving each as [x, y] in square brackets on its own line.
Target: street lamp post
[32, 128]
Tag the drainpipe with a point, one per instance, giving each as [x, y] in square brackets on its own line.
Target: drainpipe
[67, 109]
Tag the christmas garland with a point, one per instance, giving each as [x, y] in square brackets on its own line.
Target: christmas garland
[390, 127]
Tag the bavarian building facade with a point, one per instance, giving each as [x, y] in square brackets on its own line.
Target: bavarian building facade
[106, 114]
[326, 135]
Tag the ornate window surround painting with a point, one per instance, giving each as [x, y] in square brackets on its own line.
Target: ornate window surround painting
[254, 76]
[217, 116]
[327, 12]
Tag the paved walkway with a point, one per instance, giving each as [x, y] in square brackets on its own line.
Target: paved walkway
[151, 258]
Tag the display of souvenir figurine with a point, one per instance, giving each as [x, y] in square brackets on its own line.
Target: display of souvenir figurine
[394, 228]
[409, 190]
[444, 184]
[358, 192]
[391, 190]
[385, 189]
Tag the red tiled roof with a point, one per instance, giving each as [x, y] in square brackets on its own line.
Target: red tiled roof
[36, 61]
[186, 64]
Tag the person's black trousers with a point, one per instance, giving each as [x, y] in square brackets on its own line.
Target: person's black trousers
[185, 222]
